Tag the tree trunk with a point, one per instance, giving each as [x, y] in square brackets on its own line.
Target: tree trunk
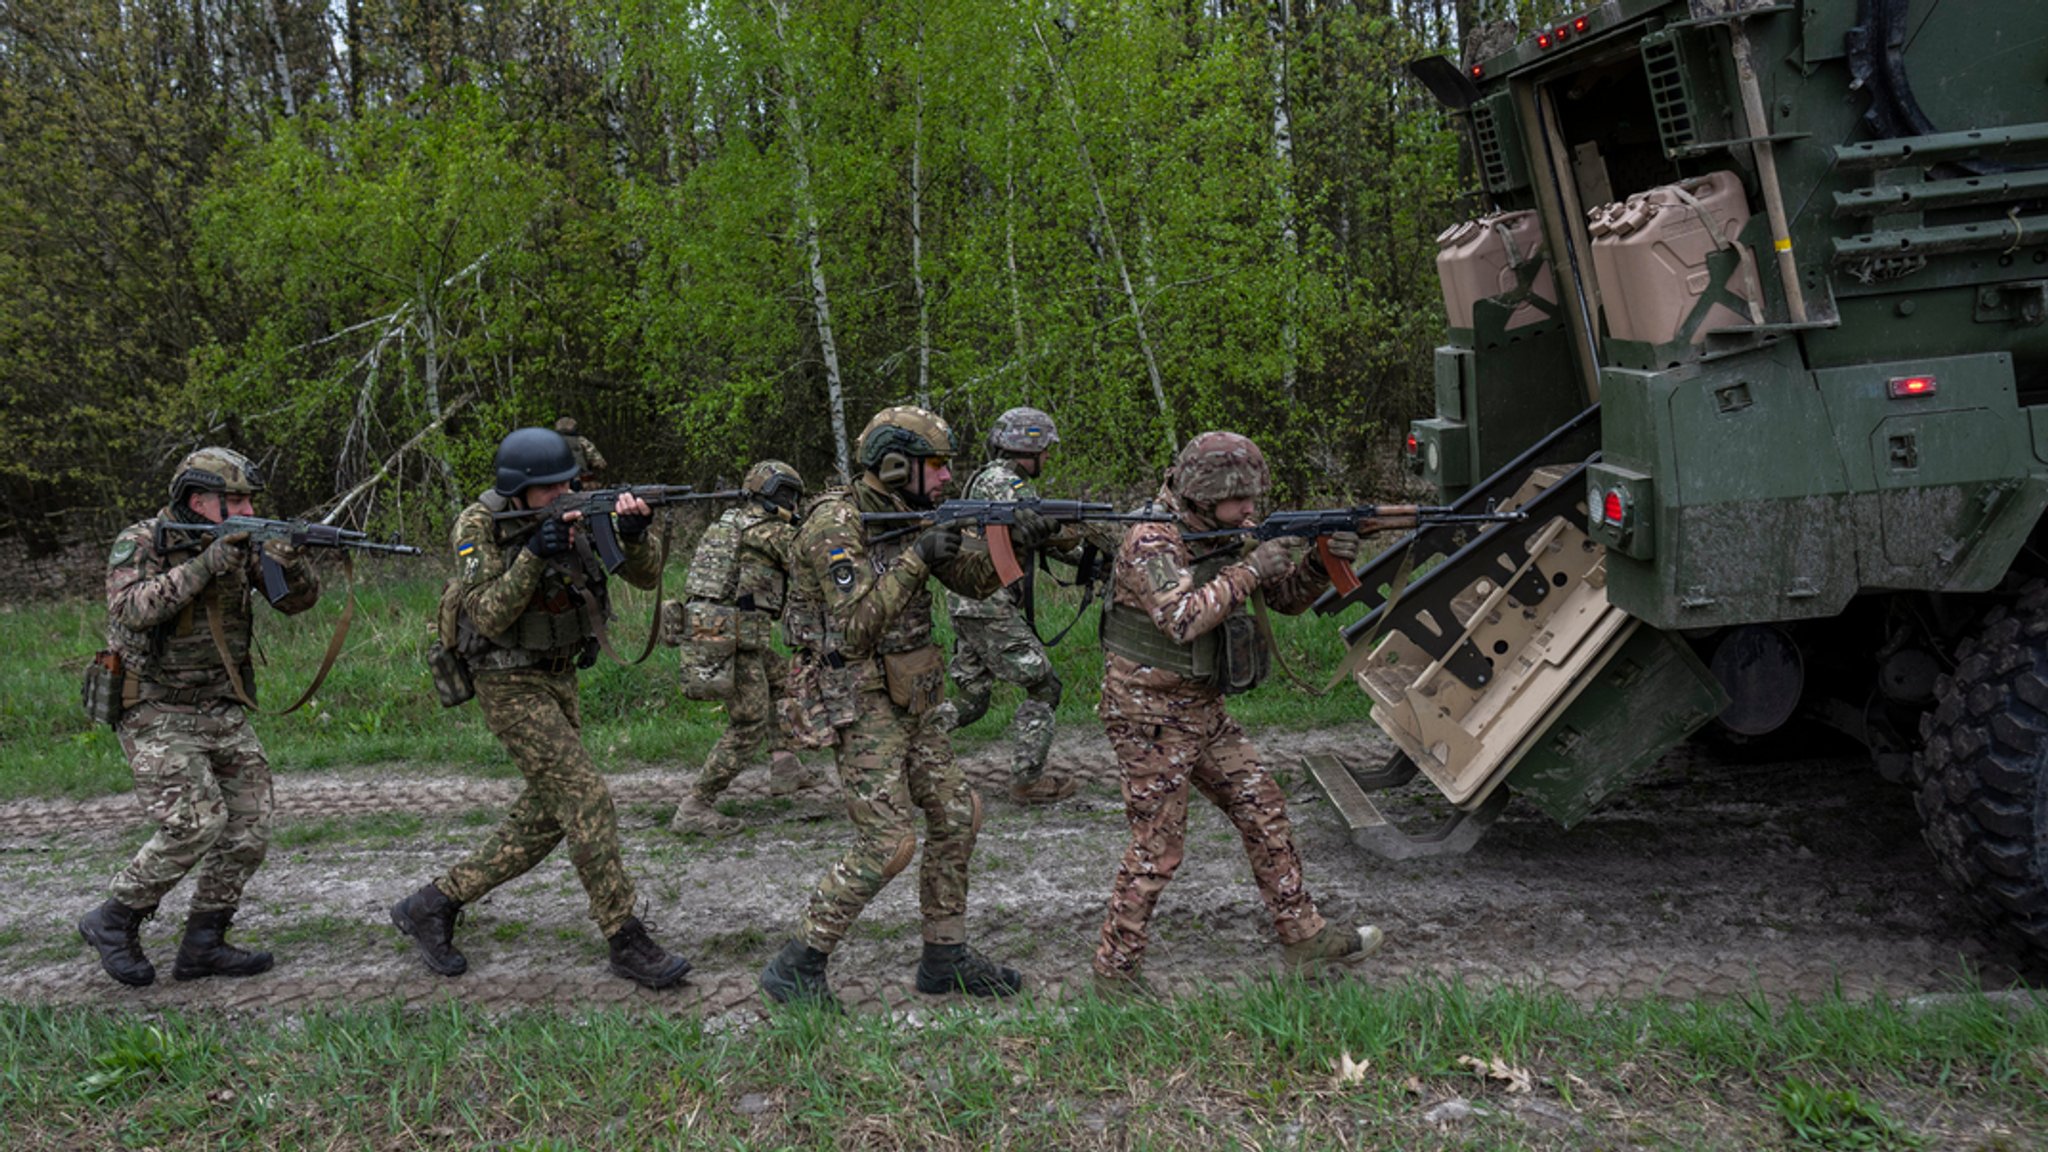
[1279, 19]
[924, 322]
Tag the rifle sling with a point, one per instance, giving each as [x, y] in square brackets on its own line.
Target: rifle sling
[597, 611]
[348, 615]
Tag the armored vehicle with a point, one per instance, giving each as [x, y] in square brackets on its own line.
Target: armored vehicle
[1755, 326]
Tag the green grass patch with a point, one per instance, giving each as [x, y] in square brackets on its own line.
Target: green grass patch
[1271, 1065]
[378, 704]
[379, 828]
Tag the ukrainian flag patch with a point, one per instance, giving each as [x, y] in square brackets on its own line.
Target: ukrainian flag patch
[836, 554]
[465, 548]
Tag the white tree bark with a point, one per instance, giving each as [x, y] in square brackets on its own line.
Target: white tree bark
[1102, 221]
[807, 212]
[1010, 222]
[280, 64]
[1279, 20]
[924, 324]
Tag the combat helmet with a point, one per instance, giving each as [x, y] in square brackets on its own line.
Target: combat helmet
[532, 456]
[1023, 430]
[214, 469]
[566, 425]
[897, 438]
[1219, 466]
[776, 482]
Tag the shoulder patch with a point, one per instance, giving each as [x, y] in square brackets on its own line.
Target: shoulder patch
[466, 548]
[124, 549]
[842, 571]
[1016, 482]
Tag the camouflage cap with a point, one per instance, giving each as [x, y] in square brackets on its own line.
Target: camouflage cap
[775, 482]
[906, 431]
[566, 425]
[1023, 430]
[1219, 466]
[216, 470]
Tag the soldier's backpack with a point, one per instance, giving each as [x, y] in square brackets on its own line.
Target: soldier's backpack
[452, 682]
[715, 566]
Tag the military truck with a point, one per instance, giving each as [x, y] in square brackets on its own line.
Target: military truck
[1755, 325]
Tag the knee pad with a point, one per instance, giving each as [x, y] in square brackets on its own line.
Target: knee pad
[906, 848]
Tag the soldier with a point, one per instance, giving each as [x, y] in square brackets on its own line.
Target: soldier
[1178, 638]
[861, 613]
[200, 774]
[992, 639]
[742, 566]
[589, 461]
[531, 604]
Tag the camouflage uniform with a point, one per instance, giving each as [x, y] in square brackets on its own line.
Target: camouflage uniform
[1171, 732]
[993, 641]
[589, 461]
[851, 603]
[762, 540]
[526, 631]
[199, 771]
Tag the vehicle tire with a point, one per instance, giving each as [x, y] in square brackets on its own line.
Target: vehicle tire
[1982, 770]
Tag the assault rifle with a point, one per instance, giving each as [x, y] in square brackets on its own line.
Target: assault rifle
[1319, 524]
[600, 506]
[297, 533]
[995, 518]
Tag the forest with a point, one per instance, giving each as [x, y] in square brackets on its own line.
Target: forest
[360, 240]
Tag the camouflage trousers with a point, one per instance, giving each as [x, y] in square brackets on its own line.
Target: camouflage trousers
[991, 648]
[1160, 764]
[895, 767]
[759, 676]
[201, 776]
[534, 714]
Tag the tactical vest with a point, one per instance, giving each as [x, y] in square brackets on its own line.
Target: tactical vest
[558, 622]
[177, 660]
[1130, 633]
[805, 623]
[715, 566]
[763, 584]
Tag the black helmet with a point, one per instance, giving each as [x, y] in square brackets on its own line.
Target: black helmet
[532, 456]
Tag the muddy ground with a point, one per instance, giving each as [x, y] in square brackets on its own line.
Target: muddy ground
[1714, 876]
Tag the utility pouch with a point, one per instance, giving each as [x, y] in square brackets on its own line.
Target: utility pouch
[453, 684]
[917, 678]
[671, 618]
[710, 641]
[802, 709]
[105, 679]
[1243, 658]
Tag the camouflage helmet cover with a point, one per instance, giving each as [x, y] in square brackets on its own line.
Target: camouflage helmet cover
[775, 482]
[216, 469]
[1219, 466]
[906, 432]
[1023, 430]
[566, 425]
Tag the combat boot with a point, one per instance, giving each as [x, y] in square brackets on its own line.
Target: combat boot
[1333, 945]
[1047, 789]
[638, 958]
[788, 775]
[205, 950]
[958, 968]
[428, 916]
[112, 928]
[695, 814]
[797, 976]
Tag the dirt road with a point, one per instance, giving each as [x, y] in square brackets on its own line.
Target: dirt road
[1711, 877]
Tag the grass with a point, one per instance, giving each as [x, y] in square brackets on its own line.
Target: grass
[378, 704]
[1258, 1066]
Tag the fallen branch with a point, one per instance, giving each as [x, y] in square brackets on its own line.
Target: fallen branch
[350, 497]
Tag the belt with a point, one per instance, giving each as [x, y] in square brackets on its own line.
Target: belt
[150, 692]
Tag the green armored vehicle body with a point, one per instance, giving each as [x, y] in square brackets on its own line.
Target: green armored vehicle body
[1756, 328]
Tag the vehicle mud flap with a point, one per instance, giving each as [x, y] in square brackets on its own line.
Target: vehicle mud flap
[1370, 828]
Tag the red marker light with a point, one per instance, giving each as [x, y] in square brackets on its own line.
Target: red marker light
[1611, 508]
[1900, 387]
[1561, 33]
[1579, 25]
[1543, 40]
[1477, 71]
[1414, 445]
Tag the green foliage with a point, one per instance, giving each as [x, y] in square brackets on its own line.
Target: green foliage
[1837, 1118]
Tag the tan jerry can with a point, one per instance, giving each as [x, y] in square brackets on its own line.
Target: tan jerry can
[1650, 259]
[1476, 261]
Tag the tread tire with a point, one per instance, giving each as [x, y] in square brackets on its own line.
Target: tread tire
[1981, 775]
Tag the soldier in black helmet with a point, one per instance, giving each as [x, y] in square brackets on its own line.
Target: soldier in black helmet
[531, 603]
[199, 771]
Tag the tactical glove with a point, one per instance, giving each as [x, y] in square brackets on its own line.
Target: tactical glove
[284, 553]
[1344, 546]
[229, 553]
[552, 538]
[1031, 530]
[938, 545]
[1276, 558]
[633, 525]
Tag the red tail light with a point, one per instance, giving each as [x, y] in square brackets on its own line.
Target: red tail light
[1414, 445]
[1900, 387]
[1612, 509]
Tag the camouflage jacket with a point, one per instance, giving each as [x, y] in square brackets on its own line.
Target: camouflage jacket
[864, 599]
[1154, 574]
[588, 459]
[520, 606]
[156, 610]
[999, 480]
